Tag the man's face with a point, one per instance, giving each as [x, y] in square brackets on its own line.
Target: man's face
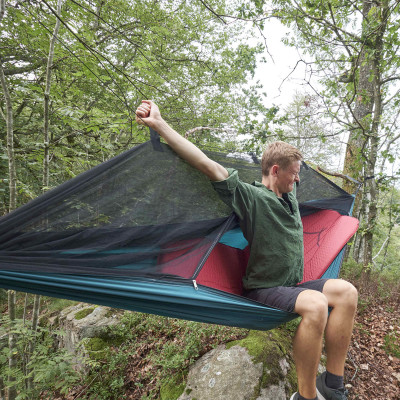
[286, 178]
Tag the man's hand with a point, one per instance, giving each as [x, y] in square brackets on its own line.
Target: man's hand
[148, 113]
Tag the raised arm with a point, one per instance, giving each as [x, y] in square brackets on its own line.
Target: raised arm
[149, 114]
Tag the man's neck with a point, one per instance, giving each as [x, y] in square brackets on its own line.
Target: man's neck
[269, 183]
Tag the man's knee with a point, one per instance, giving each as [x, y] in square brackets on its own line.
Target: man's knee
[341, 293]
[351, 295]
[313, 307]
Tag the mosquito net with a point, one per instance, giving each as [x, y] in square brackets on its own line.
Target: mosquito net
[145, 212]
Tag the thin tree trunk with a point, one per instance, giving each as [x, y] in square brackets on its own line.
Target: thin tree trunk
[2, 8]
[358, 248]
[2, 389]
[363, 142]
[371, 185]
[46, 115]
[12, 339]
[358, 139]
[391, 226]
[10, 141]
[2, 11]
[31, 346]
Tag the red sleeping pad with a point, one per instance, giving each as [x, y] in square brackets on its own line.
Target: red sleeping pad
[326, 232]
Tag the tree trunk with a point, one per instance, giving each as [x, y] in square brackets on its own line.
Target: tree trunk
[31, 346]
[12, 339]
[362, 148]
[371, 185]
[46, 114]
[364, 103]
[2, 390]
[10, 141]
[392, 219]
[2, 8]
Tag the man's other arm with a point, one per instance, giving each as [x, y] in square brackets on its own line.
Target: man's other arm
[149, 114]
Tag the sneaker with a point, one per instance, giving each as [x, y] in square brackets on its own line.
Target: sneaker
[325, 393]
[295, 396]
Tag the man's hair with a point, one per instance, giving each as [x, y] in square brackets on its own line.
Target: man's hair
[279, 153]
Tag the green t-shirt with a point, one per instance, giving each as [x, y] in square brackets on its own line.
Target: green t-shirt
[273, 228]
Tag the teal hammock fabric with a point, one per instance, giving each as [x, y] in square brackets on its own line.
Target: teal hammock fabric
[171, 299]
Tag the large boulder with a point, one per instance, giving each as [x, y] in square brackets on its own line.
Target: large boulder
[258, 367]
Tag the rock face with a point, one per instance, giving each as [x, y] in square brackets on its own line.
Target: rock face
[262, 371]
[215, 375]
[84, 321]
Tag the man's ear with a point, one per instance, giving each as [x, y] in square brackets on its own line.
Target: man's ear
[274, 170]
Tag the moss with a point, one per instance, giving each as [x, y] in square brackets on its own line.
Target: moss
[83, 313]
[96, 344]
[173, 388]
[97, 348]
[291, 379]
[269, 348]
[263, 346]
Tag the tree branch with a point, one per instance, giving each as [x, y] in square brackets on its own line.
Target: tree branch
[337, 174]
[201, 128]
[392, 78]
[327, 23]
[212, 11]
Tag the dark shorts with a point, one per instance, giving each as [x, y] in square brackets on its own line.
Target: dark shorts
[284, 297]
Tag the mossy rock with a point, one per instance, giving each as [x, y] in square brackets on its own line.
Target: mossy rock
[97, 348]
[173, 388]
[84, 313]
[271, 348]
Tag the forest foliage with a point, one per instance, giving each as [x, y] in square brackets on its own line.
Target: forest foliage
[108, 56]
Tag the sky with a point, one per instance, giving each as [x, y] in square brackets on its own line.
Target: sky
[278, 75]
[282, 76]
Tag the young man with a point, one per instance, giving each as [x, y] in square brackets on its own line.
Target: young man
[269, 217]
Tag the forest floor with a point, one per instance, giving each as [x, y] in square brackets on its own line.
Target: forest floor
[373, 364]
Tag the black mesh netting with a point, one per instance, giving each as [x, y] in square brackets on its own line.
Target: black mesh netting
[143, 212]
[315, 191]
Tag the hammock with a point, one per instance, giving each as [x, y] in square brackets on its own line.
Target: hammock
[145, 231]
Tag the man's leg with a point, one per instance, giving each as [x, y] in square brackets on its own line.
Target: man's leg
[307, 344]
[343, 297]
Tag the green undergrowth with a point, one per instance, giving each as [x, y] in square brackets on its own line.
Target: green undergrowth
[372, 283]
[49, 368]
[148, 354]
[392, 343]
